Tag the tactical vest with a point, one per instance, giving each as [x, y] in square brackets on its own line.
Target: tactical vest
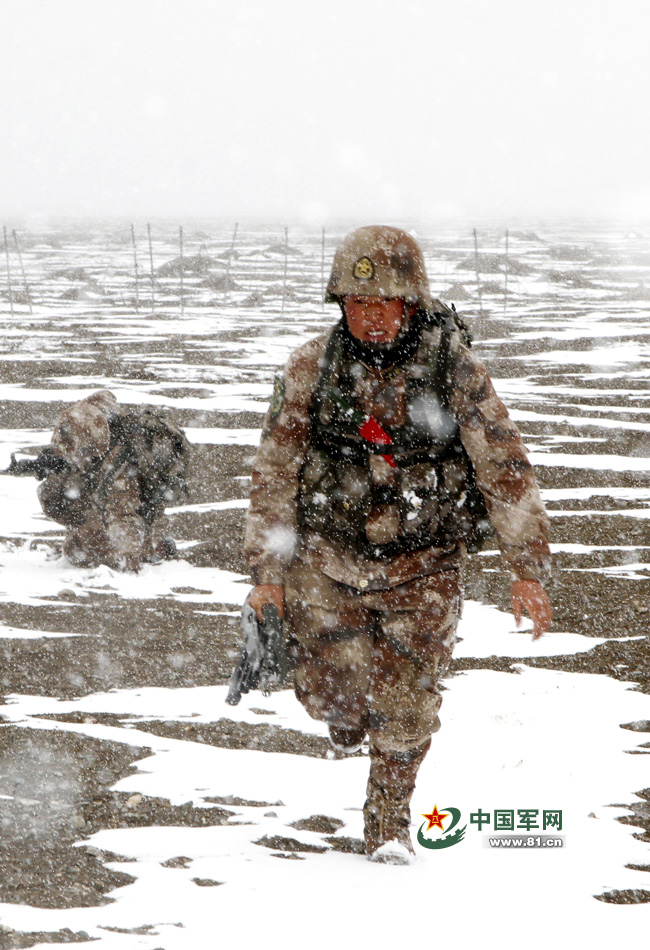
[351, 495]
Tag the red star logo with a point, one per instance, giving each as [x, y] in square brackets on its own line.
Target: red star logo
[435, 819]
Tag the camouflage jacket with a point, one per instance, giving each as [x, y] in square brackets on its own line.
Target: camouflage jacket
[311, 501]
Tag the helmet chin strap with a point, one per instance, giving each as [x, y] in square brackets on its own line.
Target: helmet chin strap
[383, 355]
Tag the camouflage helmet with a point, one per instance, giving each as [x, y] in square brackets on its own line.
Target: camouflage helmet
[82, 434]
[379, 261]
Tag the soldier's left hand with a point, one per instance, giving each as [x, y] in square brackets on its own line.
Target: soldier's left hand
[531, 597]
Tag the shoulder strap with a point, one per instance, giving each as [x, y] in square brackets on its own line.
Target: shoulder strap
[331, 356]
[443, 316]
[443, 358]
[461, 326]
[442, 368]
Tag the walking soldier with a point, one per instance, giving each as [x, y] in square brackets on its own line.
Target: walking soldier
[385, 455]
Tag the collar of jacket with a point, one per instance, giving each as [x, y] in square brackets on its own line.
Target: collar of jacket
[383, 355]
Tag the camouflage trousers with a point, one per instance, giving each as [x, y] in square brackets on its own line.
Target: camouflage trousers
[124, 544]
[372, 658]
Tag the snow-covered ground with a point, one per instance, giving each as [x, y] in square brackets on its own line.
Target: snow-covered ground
[540, 739]
[525, 725]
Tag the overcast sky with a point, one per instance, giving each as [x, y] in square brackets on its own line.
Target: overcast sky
[395, 110]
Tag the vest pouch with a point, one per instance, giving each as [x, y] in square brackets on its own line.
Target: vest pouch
[383, 524]
[419, 499]
[335, 499]
[458, 511]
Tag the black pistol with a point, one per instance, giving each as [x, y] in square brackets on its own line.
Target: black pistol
[263, 661]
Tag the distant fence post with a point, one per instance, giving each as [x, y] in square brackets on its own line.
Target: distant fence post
[11, 296]
[322, 272]
[22, 271]
[478, 279]
[135, 265]
[180, 241]
[286, 257]
[153, 302]
[505, 282]
[231, 251]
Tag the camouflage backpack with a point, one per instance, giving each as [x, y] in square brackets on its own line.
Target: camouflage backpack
[160, 452]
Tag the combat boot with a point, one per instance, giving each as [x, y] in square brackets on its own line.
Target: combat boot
[387, 813]
[347, 740]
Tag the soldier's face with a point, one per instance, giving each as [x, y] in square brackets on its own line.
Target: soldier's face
[374, 319]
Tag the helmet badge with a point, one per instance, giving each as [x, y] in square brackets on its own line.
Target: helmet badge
[364, 269]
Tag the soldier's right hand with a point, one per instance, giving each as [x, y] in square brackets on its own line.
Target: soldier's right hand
[267, 594]
[531, 597]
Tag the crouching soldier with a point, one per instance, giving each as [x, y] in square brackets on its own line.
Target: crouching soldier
[108, 476]
[385, 453]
